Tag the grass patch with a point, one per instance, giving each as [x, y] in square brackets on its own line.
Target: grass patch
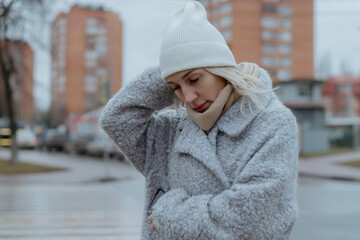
[22, 168]
[332, 151]
[355, 163]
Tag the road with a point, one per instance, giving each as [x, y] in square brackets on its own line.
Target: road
[40, 208]
[329, 209]
[92, 211]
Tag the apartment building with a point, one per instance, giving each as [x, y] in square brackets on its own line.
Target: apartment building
[22, 82]
[275, 34]
[86, 60]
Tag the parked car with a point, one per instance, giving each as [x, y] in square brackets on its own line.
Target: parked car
[25, 138]
[5, 139]
[54, 140]
[69, 146]
[80, 143]
[99, 145]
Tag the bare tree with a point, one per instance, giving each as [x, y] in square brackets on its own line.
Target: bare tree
[20, 20]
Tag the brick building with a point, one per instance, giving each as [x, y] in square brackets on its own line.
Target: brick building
[342, 96]
[276, 34]
[22, 82]
[86, 60]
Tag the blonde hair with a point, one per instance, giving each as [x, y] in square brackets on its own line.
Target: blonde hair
[246, 87]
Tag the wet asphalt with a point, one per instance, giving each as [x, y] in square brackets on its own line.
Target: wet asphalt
[67, 206]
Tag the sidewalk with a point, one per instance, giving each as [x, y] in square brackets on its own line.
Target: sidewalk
[328, 167]
[79, 169]
[83, 169]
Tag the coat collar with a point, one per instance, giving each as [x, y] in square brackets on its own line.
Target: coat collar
[194, 141]
[233, 121]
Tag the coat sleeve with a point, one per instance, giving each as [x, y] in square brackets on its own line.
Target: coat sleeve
[129, 119]
[261, 203]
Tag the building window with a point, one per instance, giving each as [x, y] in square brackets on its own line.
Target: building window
[101, 30]
[284, 75]
[304, 91]
[90, 54]
[62, 63]
[62, 46]
[90, 46]
[89, 63]
[101, 50]
[285, 62]
[101, 39]
[268, 61]
[269, 22]
[101, 71]
[286, 23]
[284, 48]
[227, 34]
[226, 8]
[214, 12]
[285, 36]
[62, 38]
[91, 30]
[62, 21]
[61, 88]
[90, 87]
[90, 83]
[269, 48]
[90, 79]
[226, 22]
[272, 73]
[269, 9]
[62, 30]
[91, 21]
[268, 35]
[101, 63]
[61, 56]
[101, 21]
[90, 38]
[345, 88]
[62, 79]
[285, 10]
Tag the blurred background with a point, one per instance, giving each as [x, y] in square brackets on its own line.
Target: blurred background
[62, 60]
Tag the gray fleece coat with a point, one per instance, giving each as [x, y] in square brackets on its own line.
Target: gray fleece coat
[237, 182]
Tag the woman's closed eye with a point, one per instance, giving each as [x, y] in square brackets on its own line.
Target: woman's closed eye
[175, 88]
[194, 80]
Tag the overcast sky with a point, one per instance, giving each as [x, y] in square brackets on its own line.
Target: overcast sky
[336, 35]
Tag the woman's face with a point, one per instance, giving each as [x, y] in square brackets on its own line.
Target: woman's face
[197, 88]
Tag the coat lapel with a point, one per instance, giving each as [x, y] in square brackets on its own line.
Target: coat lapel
[193, 141]
[233, 121]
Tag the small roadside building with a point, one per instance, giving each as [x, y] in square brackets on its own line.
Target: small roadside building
[304, 98]
[342, 97]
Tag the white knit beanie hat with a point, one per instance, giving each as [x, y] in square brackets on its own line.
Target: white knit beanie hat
[190, 41]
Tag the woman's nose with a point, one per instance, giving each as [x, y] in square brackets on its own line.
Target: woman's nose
[189, 95]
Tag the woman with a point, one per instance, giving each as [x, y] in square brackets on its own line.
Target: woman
[226, 166]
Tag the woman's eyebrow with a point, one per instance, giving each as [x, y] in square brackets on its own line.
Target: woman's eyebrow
[187, 74]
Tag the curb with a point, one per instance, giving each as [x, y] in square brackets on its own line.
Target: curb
[336, 178]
